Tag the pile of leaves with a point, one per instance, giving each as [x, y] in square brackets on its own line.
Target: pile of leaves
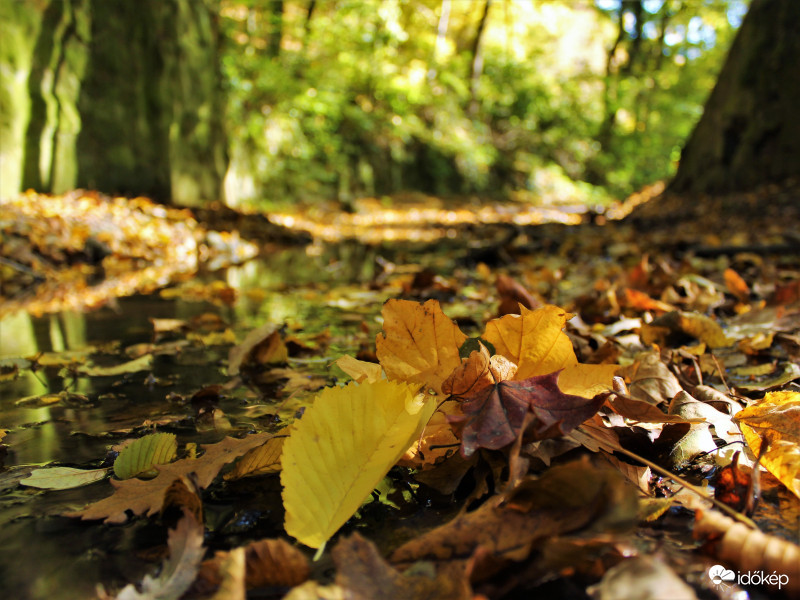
[83, 249]
[532, 443]
[646, 439]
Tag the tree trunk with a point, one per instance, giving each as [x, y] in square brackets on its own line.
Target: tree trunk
[124, 97]
[749, 134]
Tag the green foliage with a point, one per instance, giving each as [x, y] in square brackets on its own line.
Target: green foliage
[570, 101]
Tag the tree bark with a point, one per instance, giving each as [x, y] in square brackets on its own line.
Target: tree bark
[749, 134]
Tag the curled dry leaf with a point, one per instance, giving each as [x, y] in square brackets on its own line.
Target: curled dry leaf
[179, 570]
[748, 549]
[261, 346]
[419, 343]
[776, 419]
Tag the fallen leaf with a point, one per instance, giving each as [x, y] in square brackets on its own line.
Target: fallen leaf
[143, 454]
[492, 418]
[419, 343]
[262, 346]
[365, 575]
[566, 498]
[62, 478]
[143, 363]
[641, 577]
[261, 460]
[179, 570]
[533, 340]
[339, 451]
[651, 380]
[267, 562]
[777, 419]
[147, 497]
[359, 370]
[736, 285]
[436, 443]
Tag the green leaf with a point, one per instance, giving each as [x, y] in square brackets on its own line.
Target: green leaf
[141, 455]
[62, 478]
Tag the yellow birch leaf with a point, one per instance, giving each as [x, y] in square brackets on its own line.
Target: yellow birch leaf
[777, 419]
[261, 460]
[419, 343]
[534, 340]
[339, 451]
[143, 454]
[359, 370]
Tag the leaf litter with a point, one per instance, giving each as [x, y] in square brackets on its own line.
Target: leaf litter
[554, 436]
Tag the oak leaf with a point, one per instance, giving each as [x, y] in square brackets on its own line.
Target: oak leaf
[776, 419]
[419, 343]
[339, 451]
[147, 497]
[493, 417]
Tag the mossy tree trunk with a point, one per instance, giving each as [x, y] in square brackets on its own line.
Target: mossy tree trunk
[749, 133]
[124, 97]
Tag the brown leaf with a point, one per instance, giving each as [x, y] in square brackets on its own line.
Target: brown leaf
[566, 498]
[147, 497]
[365, 575]
[494, 415]
[267, 562]
[261, 346]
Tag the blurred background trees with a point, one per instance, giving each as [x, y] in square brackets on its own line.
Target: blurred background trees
[535, 100]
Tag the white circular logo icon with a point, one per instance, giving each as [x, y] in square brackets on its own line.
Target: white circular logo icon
[720, 574]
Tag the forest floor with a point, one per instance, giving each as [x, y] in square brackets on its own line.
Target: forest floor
[682, 474]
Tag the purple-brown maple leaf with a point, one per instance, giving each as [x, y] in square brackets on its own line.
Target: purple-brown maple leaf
[493, 416]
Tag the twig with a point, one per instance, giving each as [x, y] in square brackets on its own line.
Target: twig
[676, 478]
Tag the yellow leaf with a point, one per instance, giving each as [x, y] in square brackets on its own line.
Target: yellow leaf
[587, 380]
[339, 451]
[777, 419]
[533, 340]
[359, 370]
[141, 455]
[261, 460]
[419, 343]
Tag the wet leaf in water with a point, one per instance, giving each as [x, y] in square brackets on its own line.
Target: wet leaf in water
[62, 478]
[140, 456]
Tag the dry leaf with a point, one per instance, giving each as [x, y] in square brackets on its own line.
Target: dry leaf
[533, 340]
[339, 451]
[261, 460]
[777, 419]
[365, 575]
[264, 345]
[359, 370]
[419, 343]
[492, 417]
[179, 571]
[147, 497]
